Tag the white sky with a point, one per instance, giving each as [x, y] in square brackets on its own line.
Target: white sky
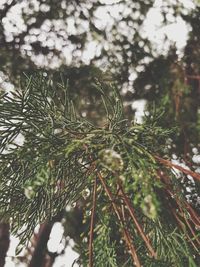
[176, 31]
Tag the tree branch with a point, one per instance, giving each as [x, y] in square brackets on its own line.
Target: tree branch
[125, 232]
[172, 165]
[139, 228]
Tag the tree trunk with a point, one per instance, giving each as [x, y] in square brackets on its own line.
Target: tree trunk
[38, 258]
[4, 242]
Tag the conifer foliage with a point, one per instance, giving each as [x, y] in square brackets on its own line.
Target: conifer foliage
[51, 156]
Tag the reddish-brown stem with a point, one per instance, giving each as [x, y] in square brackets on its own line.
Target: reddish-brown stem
[191, 230]
[181, 224]
[172, 165]
[128, 238]
[188, 223]
[193, 216]
[125, 232]
[92, 223]
[195, 77]
[139, 228]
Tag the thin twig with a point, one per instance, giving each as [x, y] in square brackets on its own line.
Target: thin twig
[92, 223]
[194, 217]
[195, 236]
[182, 225]
[139, 228]
[179, 221]
[182, 214]
[195, 77]
[172, 165]
[129, 242]
[126, 234]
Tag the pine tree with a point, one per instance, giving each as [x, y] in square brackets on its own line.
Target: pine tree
[135, 212]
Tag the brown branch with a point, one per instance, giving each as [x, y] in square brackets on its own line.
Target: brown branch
[193, 77]
[181, 224]
[119, 214]
[134, 255]
[191, 230]
[139, 228]
[127, 235]
[125, 232]
[172, 165]
[187, 222]
[194, 217]
[92, 224]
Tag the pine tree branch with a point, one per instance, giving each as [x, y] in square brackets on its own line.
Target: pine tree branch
[60, 153]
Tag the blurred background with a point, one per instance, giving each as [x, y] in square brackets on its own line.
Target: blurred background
[149, 49]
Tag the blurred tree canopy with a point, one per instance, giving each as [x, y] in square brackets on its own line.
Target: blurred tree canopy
[82, 38]
[90, 41]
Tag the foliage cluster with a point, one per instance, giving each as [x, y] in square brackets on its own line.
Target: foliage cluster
[65, 157]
